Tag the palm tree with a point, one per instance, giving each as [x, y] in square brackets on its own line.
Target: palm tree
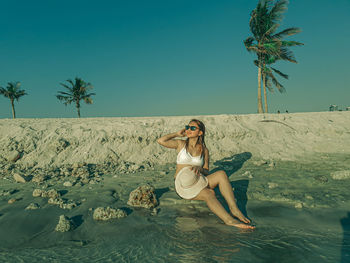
[263, 24]
[13, 92]
[268, 77]
[76, 91]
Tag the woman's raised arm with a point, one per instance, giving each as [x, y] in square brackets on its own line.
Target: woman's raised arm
[168, 140]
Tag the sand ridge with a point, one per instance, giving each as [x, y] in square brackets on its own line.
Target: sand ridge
[55, 142]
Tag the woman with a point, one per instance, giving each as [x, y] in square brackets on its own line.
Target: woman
[192, 178]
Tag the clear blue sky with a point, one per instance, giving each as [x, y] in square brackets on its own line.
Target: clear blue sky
[166, 57]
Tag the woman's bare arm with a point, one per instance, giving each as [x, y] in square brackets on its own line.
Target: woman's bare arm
[168, 140]
[205, 168]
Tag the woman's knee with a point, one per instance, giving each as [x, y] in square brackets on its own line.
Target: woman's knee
[222, 174]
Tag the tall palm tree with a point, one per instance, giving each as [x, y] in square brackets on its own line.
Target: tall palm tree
[13, 92]
[264, 21]
[76, 91]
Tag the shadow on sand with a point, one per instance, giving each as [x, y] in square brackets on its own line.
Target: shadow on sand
[231, 165]
[160, 191]
[345, 251]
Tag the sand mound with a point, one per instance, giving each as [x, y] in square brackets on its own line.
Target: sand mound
[55, 142]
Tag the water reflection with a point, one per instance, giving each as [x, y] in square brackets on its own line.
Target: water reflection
[186, 224]
[202, 238]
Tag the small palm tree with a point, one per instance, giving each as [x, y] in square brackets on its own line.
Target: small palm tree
[13, 92]
[76, 91]
[264, 21]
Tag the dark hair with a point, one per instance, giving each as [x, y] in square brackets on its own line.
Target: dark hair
[201, 137]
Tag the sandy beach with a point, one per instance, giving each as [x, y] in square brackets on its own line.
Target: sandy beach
[288, 170]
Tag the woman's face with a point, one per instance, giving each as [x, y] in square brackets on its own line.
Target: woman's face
[190, 133]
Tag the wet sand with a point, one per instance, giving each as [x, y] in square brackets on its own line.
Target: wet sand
[270, 196]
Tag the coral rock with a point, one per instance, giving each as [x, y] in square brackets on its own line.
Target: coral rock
[32, 206]
[64, 224]
[14, 156]
[108, 213]
[272, 185]
[38, 192]
[39, 178]
[52, 193]
[143, 196]
[68, 184]
[341, 175]
[19, 178]
[298, 205]
[12, 200]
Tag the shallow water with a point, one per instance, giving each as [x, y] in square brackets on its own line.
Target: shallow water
[186, 231]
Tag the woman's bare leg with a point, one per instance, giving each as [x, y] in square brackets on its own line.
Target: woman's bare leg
[220, 178]
[208, 195]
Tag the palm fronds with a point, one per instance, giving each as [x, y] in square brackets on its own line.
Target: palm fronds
[268, 45]
[75, 92]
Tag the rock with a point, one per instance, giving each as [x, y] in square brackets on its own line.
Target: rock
[7, 192]
[38, 192]
[68, 205]
[309, 197]
[272, 164]
[248, 174]
[32, 206]
[39, 178]
[12, 200]
[143, 196]
[52, 193]
[55, 201]
[19, 178]
[85, 181]
[64, 224]
[272, 185]
[298, 205]
[108, 213]
[341, 175]
[14, 156]
[163, 173]
[134, 167]
[260, 162]
[68, 184]
[61, 203]
[321, 178]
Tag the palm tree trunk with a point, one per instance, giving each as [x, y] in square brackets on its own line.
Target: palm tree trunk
[265, 93]
[78, 108]
[260, 108]
[13, 109]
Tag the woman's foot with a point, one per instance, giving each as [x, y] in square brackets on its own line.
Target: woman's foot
[237, 213]
[238, 224]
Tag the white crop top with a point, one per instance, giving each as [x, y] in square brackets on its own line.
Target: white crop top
[184, 157]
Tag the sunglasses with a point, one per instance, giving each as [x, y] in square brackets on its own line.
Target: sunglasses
[193, 128]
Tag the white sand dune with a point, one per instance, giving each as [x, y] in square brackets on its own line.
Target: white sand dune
[46, 142]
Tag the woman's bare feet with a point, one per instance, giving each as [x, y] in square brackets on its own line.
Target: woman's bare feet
[238, 224]
[237, 213]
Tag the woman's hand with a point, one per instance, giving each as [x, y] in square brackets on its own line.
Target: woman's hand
[196, 170]
[181, 133]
